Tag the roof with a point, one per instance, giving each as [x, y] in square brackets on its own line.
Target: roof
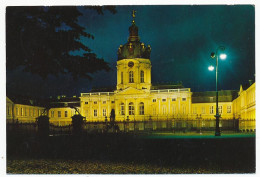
[158, 86]
[62, 102]
[24, 100]
[210, 96]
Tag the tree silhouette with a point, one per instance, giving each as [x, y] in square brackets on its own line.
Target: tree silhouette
[41, 39]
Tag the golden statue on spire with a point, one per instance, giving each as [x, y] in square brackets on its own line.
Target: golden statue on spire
[133, 15]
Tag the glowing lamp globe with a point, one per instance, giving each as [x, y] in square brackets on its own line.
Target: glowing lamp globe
[211, 68]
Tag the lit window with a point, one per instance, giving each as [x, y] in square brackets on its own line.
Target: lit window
[220, 109]
[195, 110]
[122, 109]
[164, 110]
[59, 113]
[154, 111]
[66, 113]
[164, 100]
[211, 110]
[203, 110]
[154, 100]
[184, 99]
[122, 78]
[104, 112]
[131, 77]
[25, 112]
[183, 109]
[173, 99]
[228, 109]
[52, 113]
[17, 111]
[142, 76]
[174, 109]
[211, 99]
[8, 110]
[131, 109]
[95, 113]
[141, 108]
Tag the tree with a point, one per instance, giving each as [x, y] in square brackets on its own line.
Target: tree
[41, 39]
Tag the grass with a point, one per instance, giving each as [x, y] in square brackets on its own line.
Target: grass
[158, 153]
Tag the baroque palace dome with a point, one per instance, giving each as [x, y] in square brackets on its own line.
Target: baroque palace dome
[133, 48]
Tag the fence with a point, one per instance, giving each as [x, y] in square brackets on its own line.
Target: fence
[173, 125]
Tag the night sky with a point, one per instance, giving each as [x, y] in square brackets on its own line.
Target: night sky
[182, 39]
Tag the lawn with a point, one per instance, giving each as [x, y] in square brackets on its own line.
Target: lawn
[131, 154]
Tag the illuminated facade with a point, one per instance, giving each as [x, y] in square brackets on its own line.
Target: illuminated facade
[135, 99]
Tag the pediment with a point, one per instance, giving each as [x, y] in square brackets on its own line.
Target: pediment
[130, 91]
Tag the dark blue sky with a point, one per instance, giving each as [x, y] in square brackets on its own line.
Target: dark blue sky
[181, 38]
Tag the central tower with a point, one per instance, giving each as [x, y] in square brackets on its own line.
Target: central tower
[133, 63]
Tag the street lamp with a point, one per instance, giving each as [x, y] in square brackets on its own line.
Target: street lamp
[211, 68]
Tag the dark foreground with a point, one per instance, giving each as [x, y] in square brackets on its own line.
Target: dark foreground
[130, 154]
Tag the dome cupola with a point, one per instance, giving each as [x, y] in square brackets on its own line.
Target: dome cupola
[133, 48]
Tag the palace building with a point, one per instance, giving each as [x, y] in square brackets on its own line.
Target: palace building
[135, 99]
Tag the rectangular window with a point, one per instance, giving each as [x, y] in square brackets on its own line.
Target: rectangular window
[122, 78]
[66, 113]
[95, 113]
[228, 109]
[17, 111]
[154, 111]
[59, 113]
[21, 111]
[174, 109]
[195, 110]
[142, 76]
[211, 99]
[104, 102]
[163, 100]
[95, 102]
[122, 108]
[211, 109]
[52, 113]
[154, 100]
[104, 112]
[112, 102]
[220, 109]
[164, 110]
[173, 99]
[25, 112]
[203, 110]
[184, 99]
[141, 109]
[8, 110]
[131, 77]
[183, 109]
[86, 102]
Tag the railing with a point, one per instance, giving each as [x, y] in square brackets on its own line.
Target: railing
[168, 124]
[96, 94]
[170, 90]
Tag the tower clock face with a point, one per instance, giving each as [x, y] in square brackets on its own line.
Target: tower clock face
[130, 64]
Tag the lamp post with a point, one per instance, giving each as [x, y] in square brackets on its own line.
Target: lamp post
[216, 56]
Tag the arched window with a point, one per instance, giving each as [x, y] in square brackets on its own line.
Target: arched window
[122, 78]
[141, 108]
[142, 77]
[131, 109]
[131, 77]
[122, 109]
